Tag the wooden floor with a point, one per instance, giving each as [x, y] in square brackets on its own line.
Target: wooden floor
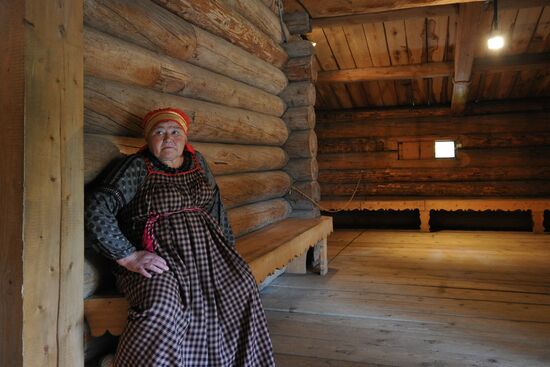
[399, 298]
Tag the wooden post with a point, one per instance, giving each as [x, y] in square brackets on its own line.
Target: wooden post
[538, 221]
[320, 256]
[298, 265]
[41, 256]
[424, 220]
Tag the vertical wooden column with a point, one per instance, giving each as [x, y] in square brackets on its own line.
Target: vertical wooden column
[41, 245]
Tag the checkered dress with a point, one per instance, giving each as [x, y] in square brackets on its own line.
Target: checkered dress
[204, 311]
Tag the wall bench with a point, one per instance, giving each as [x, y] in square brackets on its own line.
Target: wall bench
[537, 206]
[265, 250]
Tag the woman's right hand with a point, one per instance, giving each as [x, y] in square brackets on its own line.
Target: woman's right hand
[144, 262]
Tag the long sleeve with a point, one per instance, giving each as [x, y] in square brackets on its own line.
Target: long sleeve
[217, 210]
[105, 201]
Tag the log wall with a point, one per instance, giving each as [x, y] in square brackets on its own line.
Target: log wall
[498, 155]
[227, 77]
[220, 61]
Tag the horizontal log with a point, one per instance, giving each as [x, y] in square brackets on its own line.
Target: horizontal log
[160, 30]
[299, 94]
[396, 72]
[300, 68]
[298, 213]
[301, 144]
[248, 218]
[418, 174]
[219, 18]
[300, 118]
[99, 153]
[534, 188]
[114, 108]
[480, 108]
[261, 15]
[465, 141]
[479, 158]
[301, 194]
[247, 188]
[273, 5]
[110, 58]
[437, 126]
[299, 48]
[223, 159]
[302, 169]
[298, 22]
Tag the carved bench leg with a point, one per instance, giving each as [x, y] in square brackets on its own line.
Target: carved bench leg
[320, 256]
[298, 265]
[538, 219]
[424, 220]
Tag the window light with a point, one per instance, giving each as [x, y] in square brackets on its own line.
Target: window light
[444, 149]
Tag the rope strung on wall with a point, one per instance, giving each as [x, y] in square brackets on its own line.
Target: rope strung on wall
[325, 209]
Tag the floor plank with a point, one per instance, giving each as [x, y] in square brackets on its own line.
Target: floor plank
[403, 298]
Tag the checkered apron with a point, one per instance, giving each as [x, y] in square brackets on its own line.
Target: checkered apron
[204, 311]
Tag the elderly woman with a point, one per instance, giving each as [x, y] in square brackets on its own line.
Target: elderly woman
[159, 216]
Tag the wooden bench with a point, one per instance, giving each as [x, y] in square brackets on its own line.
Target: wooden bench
[537, 206]
[265, 250]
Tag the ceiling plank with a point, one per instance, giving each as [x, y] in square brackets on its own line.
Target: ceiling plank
[437, 69]
[386, 16]
[468, 20]
[343, 8]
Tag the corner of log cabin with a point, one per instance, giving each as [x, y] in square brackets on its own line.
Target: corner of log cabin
[318, 120]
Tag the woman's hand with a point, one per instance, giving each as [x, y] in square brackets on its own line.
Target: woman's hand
[144, 262]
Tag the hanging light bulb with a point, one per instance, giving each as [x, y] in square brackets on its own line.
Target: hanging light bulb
[496, 40]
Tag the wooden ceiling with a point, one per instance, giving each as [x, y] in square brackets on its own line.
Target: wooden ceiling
[382, 53]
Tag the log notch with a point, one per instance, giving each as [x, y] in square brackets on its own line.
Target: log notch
[298, 22]
[301, 145]
[110, 58]
[221, 19]
[41, 256]
[466, 38]
[165, 33]
[300, 118]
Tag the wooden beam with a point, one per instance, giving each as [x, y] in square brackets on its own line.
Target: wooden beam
[466, 38]
[437, 69]
[513, 63]
[431, 70]
[386, 16]
[42, 195]
[481, 108]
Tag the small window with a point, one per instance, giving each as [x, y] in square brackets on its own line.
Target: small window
[445, 149]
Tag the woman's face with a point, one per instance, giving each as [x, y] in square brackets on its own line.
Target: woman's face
[166, 141]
